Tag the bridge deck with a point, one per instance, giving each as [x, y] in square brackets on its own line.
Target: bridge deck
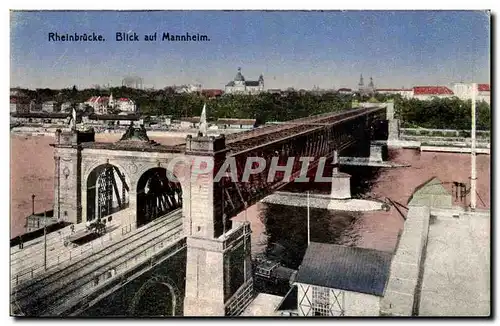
[247, 139]
[28, 262]
[261, 136]
[54, 290]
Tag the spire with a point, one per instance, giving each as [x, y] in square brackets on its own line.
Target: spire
[371, 83]
[239, 76]
[111, 99]
[203, 121]
[73, 119]
[361, 83]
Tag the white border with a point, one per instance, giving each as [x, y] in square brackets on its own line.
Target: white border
[188, 4]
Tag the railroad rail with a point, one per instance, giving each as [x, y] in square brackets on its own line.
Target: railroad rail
[44, 290]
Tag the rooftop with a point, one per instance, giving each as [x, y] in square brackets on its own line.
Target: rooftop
[432, 90]
[346, 268]
[483, 87]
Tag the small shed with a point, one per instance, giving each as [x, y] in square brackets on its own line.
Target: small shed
[335, 280]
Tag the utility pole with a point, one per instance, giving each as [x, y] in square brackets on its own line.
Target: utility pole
[44, 241]
[33, 204]
[473, 151]
[308, 222]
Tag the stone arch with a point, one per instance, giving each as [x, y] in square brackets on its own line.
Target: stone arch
[157, 194]
[153, 287]
[107, 190]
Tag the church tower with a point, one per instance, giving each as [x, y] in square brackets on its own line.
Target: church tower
[111, 101]
[239, 80]
[371, 86]
[361, 84]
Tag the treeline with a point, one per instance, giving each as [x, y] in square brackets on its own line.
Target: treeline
[445, 113]
[448, 113]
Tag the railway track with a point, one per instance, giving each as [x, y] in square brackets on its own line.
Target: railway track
[55, 281]
[84, 284]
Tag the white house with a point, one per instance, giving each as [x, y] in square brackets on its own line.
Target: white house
[125, 105]
[99, 104]
[335, 280]
[242, 86]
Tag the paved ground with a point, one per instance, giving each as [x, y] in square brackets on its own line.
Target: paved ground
[263, 306]
[457, 267]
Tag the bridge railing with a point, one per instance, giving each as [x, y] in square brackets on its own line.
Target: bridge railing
[171, 244]
[240, 299]
[244, 228]
[63, 255]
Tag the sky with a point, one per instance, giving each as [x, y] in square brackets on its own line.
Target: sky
[298, 49]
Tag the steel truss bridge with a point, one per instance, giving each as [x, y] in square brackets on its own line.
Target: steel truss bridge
[70, 287]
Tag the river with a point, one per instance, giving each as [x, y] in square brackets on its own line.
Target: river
[279, 231]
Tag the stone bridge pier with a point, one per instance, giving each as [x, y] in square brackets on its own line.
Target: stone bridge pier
[218, 274]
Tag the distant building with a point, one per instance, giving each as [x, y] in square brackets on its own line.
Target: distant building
[19, 105]
[102, 104]
[111, 119]
[344, 91]
[99, 104]
[366, 90]
[242, 86]
[335, 280]
[429, 92]
[483, 93]
[35, 106]
[236, 123]
[464, 92]
[57, 118]
[404, 92]
[189, 122]
[66, 106]
[50, 106]
[125, 105]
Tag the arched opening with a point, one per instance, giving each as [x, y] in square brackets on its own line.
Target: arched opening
[155, 299]
[157, 195]
[107, 192]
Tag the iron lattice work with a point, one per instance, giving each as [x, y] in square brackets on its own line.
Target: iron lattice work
[105, 191]
[108, 191]
[158, 197]
[320, 138]
[321, 301]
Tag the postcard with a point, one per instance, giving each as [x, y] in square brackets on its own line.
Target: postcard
[250, 163]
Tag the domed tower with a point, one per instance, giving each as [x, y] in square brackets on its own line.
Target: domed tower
[239, 80]
[261, 82]
[371, 86]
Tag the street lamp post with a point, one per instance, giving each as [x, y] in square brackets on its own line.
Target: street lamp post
[33, 204]
[473, 151]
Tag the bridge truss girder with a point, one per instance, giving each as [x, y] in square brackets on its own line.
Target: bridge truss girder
[314, 142]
